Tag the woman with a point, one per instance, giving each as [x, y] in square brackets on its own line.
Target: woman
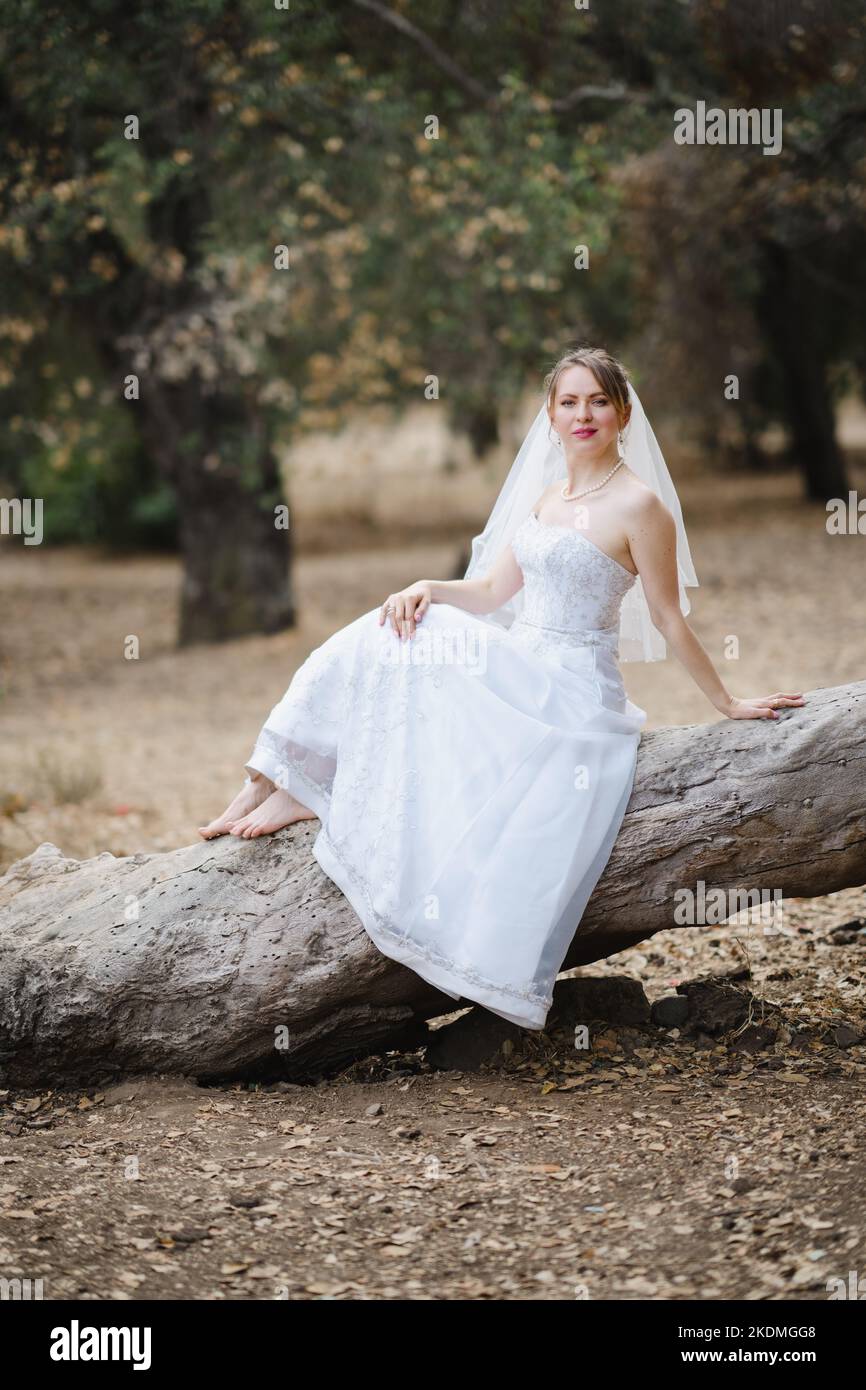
[471, 785]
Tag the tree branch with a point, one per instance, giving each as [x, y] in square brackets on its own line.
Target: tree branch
[442, 60]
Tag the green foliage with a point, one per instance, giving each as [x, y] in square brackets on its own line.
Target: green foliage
[408, 256]
[114, 500]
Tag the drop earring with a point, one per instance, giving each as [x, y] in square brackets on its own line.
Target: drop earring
[557, 441]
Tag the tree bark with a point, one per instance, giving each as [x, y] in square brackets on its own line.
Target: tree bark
[233, 957]
[215, 449]
[790, 316]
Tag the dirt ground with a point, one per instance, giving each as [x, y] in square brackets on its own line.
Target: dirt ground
[655, 1166]
[661, 1168]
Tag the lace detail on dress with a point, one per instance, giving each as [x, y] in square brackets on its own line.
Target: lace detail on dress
[567, 576]
[378, 686]
[286, 759]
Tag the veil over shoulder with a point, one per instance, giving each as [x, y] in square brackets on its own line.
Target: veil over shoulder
[538, 464]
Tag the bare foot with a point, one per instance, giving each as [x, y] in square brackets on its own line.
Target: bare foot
[251, 795]
[280, 809]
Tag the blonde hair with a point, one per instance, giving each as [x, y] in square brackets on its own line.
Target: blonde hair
[610, 374]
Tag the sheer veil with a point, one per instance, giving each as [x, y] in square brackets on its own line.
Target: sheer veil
[539, 463]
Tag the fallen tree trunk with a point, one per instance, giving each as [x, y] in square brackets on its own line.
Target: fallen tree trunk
[234, 957]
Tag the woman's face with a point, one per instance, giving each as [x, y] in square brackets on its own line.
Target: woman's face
[584, 416]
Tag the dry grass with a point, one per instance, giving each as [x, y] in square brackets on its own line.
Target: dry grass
[68, 777]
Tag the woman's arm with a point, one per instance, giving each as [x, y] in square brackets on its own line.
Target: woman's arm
[481, 595]
[652, 537]
[496, 587]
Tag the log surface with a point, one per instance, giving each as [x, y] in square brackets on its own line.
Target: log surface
[231, 956]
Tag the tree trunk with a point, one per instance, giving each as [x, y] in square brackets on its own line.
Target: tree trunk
[234, 957]
[788, 318]
[216, 451]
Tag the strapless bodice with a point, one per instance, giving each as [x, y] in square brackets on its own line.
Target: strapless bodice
[573, 590]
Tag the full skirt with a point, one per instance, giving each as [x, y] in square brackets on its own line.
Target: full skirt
[470, 786]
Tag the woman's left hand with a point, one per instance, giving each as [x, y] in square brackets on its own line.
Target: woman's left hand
[760, 707]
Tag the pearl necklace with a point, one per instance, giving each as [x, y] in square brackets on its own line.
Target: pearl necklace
[572, 497]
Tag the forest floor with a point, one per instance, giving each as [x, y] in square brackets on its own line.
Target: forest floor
[659, 1165]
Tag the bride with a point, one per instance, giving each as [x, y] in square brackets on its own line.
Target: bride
[469, 747]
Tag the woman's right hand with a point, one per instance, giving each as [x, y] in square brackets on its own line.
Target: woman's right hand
[408, 607]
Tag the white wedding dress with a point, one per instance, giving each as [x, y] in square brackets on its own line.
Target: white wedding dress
[471, 780]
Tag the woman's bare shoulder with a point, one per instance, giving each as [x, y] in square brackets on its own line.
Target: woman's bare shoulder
[639, 499]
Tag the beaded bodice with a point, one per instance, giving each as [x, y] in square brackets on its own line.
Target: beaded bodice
[573, 590]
